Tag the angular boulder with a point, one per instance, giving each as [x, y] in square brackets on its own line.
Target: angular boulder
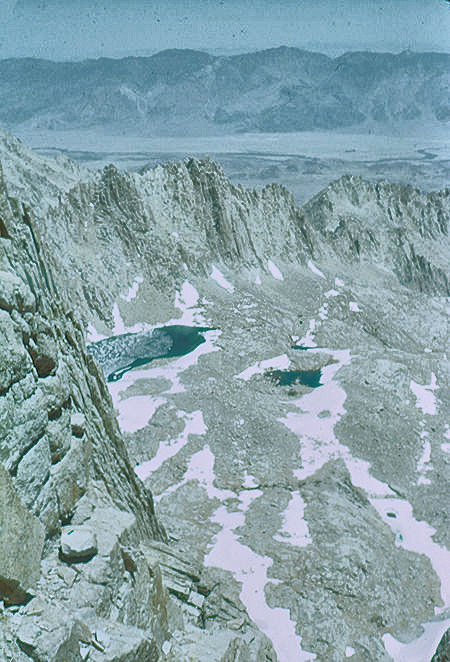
[78, 544]
[21, 544]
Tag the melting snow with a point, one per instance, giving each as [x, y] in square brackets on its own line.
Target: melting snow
[294, 527]
[315, 270]
[276, 273]
[132, 292]
[250, 569]
[426, 400]
[278, 362]
[221, 280]
[194, 425]
[419, 649]
[136, 412]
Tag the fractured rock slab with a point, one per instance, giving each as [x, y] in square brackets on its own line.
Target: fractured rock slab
[21, 544]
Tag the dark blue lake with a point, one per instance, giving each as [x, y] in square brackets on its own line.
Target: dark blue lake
[309, 378]
[119, 354]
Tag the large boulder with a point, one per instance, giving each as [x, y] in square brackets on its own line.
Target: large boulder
[21, 544]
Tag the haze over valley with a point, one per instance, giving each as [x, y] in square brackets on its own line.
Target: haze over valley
[285, 115]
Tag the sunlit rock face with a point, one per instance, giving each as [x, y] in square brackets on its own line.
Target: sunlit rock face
[298, 518]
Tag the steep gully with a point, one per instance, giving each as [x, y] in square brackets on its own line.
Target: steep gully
[318, 445]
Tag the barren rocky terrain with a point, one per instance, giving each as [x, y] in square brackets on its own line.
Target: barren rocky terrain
[276, 490]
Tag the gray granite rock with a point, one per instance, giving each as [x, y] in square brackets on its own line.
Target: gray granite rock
[21, 545]
[78, 543]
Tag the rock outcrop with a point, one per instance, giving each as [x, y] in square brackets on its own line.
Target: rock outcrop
[63, 461]
[398, 227]
[21, 545]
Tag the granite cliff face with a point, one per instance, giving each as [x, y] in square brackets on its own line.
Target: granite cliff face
[63, 458]
[298, 522]
[395, 226]
[191, 92]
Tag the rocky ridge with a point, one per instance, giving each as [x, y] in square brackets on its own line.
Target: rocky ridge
[189, 214]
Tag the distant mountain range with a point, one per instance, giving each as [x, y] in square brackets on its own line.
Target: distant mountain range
[192, 92]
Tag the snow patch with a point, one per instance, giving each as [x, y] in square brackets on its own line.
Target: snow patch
[354, 307]
[278, 362]
[416, 536]
[136, 412]
[423, 464]
[295, 528]
[132, 292]
[349, 651]
[93, 335]
[319, 444]
[315, 270]
[426, 400]
[419, 649]
[187, 302]
[276, 273]
[194, 424]
[308, 338]
[323, 312]
[249, 481]
[119, 326]
[201, 469]
[189, 295]
[250, 570]
[221, 280]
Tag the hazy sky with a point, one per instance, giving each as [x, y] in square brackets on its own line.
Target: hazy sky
[75, 29]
